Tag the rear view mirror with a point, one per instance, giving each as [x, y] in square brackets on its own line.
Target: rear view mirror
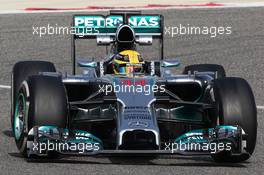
[91, 64]
[170, 63]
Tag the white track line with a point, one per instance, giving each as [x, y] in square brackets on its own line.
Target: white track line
[9, 87]
[260, 107]
[5, 87]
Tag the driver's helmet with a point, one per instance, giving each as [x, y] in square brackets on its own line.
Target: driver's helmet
[128, 62]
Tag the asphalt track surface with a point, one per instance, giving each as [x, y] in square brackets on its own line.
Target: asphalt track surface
[241, 53]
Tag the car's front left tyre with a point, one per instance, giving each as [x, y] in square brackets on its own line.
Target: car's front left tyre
[21, 71]
[41, 100]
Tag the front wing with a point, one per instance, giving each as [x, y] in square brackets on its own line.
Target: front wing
[43, 140]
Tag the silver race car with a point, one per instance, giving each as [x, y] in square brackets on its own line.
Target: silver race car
[125, 104]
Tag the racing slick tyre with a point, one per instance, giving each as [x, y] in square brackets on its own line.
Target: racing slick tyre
[41, 100]
[236, 106]
[21, 71]
[206, 68]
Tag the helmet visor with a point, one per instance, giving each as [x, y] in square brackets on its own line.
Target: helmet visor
[130, 68]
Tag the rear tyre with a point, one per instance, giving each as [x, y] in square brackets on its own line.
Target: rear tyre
[41, 101]
[21, 71]
[206, 68]
[236, 106]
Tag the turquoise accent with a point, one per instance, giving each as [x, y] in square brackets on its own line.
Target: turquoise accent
[201, 135]
[80, 136]
[198, 132]
[170, 64]
[144, 22]
[98, 21]
[89, 135]
[185, 114]
[95, 25]
[92, 64]
[18, 124]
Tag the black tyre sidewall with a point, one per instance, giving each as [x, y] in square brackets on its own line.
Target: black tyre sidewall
[48, 101]
[236, 106]
[47, 105]
[21, 71]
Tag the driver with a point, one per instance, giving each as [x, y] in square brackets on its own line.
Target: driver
[128, 62]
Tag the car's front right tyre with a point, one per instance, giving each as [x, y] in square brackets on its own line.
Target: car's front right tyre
[236, 106]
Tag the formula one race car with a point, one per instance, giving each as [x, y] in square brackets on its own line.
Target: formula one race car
[125, 104]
